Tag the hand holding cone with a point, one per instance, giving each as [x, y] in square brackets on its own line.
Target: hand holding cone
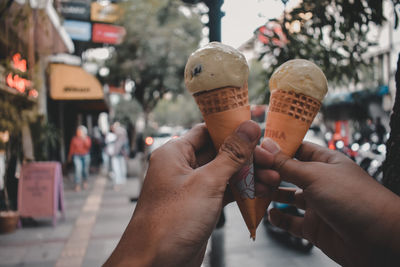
[217, 75]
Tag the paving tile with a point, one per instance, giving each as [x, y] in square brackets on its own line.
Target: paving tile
[43, 252]
[12, 255]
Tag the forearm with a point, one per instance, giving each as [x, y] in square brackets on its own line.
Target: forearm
[390, 231]
[378, 231]
[137, 247]
[146, 242]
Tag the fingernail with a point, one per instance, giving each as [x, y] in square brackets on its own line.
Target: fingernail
[248, 131]
[270, 145]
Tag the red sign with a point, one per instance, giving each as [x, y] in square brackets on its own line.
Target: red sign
[116, 90]
[18, 83]
[19, 63]
[108, 34]
[40, 190]
[271, 31]
[15, 81]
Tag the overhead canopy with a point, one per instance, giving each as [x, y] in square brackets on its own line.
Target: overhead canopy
[73, 83]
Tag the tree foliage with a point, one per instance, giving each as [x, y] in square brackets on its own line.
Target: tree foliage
[179, 111]
[160, 36]
[127, 111]
[333, 34]
[257, 83]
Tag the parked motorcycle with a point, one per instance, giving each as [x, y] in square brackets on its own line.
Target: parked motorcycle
[282, 235]
[370, 156]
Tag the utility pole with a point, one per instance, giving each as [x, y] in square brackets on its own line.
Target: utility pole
[214, 17]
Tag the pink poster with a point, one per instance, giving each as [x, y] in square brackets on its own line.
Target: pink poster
[40, 190]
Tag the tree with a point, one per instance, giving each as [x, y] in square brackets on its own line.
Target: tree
[333, 34]
[391, 167]
[160, 35]
[127, 111]
[179, 111]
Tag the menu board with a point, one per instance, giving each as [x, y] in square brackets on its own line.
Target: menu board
[40, 190]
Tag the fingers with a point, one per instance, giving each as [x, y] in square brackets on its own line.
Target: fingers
[294, 171]
[313, 152]
[290, 196]
[197, 137]
[268, 177]
[193, 149]
[267, 181]
[236, 151]
[290, 223]
[263, 158]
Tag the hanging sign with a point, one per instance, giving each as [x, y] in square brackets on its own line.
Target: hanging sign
[105, 13]
[108, 34]
[78, 30]
[75, 10]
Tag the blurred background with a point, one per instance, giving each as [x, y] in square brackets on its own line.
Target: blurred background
[116, 68]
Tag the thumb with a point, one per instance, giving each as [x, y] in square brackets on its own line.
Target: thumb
[293, 171]
[235, 152]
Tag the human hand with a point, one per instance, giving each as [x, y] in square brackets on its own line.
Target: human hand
[348, 215]
[182, 198]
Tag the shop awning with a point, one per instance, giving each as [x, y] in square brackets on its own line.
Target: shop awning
[73, 83]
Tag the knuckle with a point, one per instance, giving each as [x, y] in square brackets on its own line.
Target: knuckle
[157, 153]
[235, 151]
[280, 163]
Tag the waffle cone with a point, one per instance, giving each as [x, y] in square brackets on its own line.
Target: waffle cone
[290, 115]
[223, 110]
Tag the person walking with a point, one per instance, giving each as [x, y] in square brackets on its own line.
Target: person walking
[118, 151]
[79, 150]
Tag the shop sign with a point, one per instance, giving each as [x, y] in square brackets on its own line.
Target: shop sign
[105, 13]
[75, 10]
[73, 83]
[17, 82]
[78, 30]
[108, 34]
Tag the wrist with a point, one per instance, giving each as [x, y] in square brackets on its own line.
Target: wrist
[138, 246]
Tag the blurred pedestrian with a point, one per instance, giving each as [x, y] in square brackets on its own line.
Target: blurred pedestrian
[366, 130]
[96, 150]
[79, 153]
[380, 130]
[118, 150]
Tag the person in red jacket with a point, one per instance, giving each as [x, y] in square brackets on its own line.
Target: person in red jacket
[79, 153]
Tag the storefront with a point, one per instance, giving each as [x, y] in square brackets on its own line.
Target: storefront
[28, 35]
[75, 98]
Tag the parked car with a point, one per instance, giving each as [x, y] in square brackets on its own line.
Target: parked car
[162, 136]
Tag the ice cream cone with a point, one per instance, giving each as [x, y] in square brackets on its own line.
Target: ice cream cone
[216, 75]
[289, 117]
[223, 110]
[297, 88]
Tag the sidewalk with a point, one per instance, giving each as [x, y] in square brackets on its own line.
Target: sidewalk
[95, 220]
[97, 217]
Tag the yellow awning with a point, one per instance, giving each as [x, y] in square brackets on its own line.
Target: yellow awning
[73, 83]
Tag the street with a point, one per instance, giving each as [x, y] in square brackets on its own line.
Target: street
[231, 246]
[96, 218]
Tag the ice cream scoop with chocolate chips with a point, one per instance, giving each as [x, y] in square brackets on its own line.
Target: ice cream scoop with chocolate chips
[215, 66]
